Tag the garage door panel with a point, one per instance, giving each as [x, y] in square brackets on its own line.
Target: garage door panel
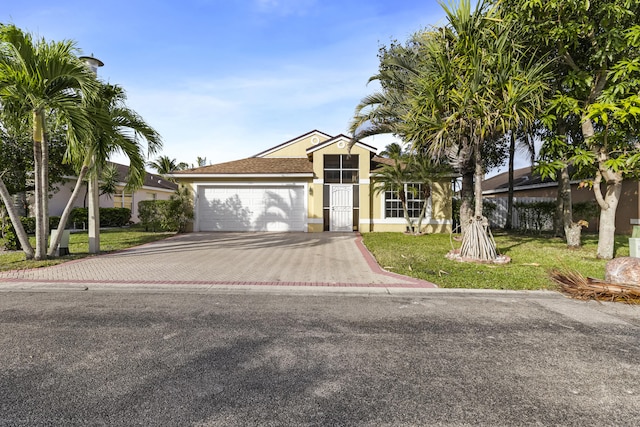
[262, 208]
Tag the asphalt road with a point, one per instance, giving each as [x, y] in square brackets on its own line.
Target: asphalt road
[222, 358]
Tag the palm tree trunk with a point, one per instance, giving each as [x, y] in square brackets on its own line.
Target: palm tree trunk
[425, 195]
[512, 153]
[405, 210]
[477, 244]
[41, 187]
[466, 199]
[477, 183]
[67, 211]
[15, 220]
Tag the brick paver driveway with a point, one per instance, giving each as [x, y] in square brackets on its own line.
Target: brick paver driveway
[309, 259]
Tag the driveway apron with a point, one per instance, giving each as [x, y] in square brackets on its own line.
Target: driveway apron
[302, 259]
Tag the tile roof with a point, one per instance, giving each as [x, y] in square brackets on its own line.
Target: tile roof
[521, 177]
[150, 180]
[255, 165]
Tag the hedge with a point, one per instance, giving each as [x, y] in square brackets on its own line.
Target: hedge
[109, 217]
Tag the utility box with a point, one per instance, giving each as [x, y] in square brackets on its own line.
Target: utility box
[63, 247]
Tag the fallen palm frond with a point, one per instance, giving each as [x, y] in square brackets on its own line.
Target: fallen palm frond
[583, 288]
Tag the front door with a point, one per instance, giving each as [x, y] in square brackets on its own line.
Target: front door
[341, 216]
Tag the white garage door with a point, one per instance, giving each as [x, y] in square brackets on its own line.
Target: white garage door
[251, 208]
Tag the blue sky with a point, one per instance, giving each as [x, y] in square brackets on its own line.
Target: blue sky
[227, 79]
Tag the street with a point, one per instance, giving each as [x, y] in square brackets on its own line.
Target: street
[237, 358]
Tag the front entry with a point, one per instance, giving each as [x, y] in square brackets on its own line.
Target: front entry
[341, 216]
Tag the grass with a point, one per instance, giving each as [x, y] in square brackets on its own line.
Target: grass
[531, 259]
[110, 240]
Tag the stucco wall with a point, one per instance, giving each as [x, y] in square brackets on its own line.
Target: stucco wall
[299, 147]
[439, 218]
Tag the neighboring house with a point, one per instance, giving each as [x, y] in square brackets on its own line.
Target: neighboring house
[530, 187]
[311, 183]
[155, 187]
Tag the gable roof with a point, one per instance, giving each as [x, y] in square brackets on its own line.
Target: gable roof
[338, 138]
[290, 142]
[254, 166]
[150, 180]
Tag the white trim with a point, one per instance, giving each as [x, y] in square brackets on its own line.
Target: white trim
[526, 187]
[364, 181]
[634, 221]
[383, 209]
[318, 181]
[338, 139]
[146, 187]
[249, 175]
[297, 139]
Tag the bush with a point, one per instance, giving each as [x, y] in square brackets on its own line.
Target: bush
[28, 223]
[109, 217]
[11, 242]
[167, 215]
[114, 217]
[588, 211]
[535, 216]
[150, 213]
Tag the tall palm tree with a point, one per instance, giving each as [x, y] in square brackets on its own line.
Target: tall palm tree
[116, 128]
[38, 78]
[474, 86]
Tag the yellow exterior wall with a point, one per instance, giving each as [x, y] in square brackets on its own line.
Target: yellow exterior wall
[441, 212]
[371, 206]
[364, 165]
[298, 148]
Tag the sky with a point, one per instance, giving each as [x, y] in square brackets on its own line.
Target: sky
[228, 79]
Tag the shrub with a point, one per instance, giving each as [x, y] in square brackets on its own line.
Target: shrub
[114, 217]
[11, 242]
[180, 210]
[29, 224]
[535, 216]
[150, 213]
[167, 215]
[588, 211]
[109, 217]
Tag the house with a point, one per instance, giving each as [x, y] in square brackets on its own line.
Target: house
[154, 187]
[529, 186]
[311, 183]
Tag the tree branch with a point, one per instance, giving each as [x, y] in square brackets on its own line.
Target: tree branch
[598, 193]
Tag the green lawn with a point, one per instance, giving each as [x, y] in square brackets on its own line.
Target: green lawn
[110, 240]
[531, 259]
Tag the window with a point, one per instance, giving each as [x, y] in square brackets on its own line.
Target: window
[123, 200]
[341, 169]
[415, 202]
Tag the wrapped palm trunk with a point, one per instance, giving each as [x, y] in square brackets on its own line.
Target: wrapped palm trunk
[477, 241]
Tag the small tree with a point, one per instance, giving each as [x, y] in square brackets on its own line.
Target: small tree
[179, 211]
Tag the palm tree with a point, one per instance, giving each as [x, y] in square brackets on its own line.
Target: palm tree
[164, 165]
[474, 85]
[392, 178]
[393, 151]
[425, 171]
[38, 78]
[115, 128]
